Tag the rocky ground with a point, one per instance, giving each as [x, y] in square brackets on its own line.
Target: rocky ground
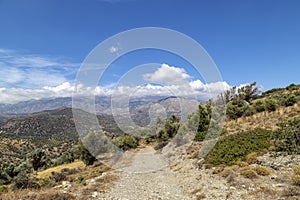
[172, 174]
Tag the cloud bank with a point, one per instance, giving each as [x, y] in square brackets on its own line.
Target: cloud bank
[173, 81]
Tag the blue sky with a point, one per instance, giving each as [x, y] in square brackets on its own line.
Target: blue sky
[42, 43]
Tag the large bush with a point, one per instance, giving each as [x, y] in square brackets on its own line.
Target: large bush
[271, 104]
[169, 129]
[232, 148]
[287, 137]
[259, 105]
[126, 142]
[237, 108]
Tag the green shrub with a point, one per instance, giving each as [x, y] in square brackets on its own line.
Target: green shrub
[3, 189]
[292, 86]
[271, 104]
[200, 136]
[126, 142]
[290, 100]
[38, 159]
[237, 108]
[250, 111]
[232, 148]
[172, 125]
[259, 105]
[287, 137]
[162, 135]
[85, 155]
[148, 140]
[58, 176]
[21, 181]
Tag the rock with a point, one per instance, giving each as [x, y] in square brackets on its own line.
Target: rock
[95, 194]
[278, 162]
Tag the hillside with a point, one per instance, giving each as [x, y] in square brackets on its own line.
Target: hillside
[102, 104]
[256, 156]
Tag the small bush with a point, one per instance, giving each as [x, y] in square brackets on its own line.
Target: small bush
[68, 171]
[46, 182]
[271, 104]
[80, 179]
[251, 158]
[241, 163]
[218, 169]
[57, 176]
[290, 100]
[3, 189]
[126, 142]
[247, 172]
[296, 170]
[85, 155]
[260, 170]
[227, 172]
[295, 180]
[259, 106]
[21, 181]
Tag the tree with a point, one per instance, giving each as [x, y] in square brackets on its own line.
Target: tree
[172, 125]
[226, 96]
[204, 118]
[204, 121]
[247, 92]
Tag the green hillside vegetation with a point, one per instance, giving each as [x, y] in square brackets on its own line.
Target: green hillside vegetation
[244, 104]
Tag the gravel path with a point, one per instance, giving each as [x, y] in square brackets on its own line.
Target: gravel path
[146, 176]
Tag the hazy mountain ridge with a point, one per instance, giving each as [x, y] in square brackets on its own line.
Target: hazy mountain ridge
[102, 104]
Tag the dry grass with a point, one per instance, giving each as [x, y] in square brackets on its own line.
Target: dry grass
[296, 170]
[295, 180]
[46, 173]
[247, 172]
[260, 170]
[264, 192]
[267, 120]
[200, 196]
[49, 194]
[251, 158]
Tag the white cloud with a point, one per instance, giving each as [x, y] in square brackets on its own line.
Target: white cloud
[178, 83]
[168, 75]
[33, 71]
